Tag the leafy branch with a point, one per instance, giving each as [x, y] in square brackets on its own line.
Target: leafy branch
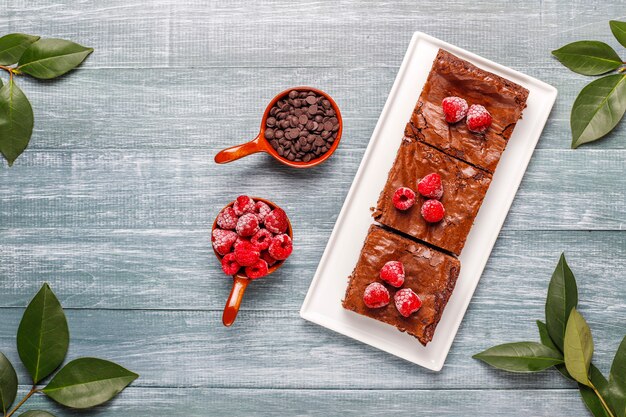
[567, 345]
[40, 58]
[601, 104]
[42, 341]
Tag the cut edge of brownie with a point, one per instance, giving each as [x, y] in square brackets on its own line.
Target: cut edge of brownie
[441, 302]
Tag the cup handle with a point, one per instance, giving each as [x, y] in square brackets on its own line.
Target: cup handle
[240, 283]
[239, 151]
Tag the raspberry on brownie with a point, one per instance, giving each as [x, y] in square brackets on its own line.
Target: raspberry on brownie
[453, 76]
[465, 187]
[431, 275]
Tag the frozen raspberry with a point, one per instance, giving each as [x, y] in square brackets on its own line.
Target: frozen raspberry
[258, 270]
[265, 255]
[376, 295]
[247, 225]
[239, 241]
[281, 247]
[243, 204]
[276, 221]
[454, 108]
[223, 240]
[393, 273]
[433, 211]
[478, 119]
[261, 210]
[246, 253]
[430, 186]
[407, 302]
[262, 239]
[403, 198]
[227, 219]
[229, 264]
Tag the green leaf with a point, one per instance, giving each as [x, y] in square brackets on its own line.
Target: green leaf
[562, 298]
[598, 108]
[521, 357]
[544, 336]
[50, 58]
[43, 336]
[588, 57]
[8, 384]
[36, 413]
[619, 31]
[87, 382]
[578, 347]
[16, 121]
[617, 381]
[546, 340]
[590, 398]
[13, 46]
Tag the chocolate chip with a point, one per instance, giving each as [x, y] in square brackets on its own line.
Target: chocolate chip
[301, 126]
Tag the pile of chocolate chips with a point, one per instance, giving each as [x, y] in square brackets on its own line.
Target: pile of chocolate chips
[302, 126]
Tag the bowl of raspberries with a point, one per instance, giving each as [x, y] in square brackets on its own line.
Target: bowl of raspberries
[251, 237]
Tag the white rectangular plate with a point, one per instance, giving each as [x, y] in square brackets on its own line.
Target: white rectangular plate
[322, 304]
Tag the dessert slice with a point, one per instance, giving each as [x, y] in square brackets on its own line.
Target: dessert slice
[451, 76]
[428, 273]
[464, 188]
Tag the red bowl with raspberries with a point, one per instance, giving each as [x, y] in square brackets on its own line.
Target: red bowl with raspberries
[252, 237]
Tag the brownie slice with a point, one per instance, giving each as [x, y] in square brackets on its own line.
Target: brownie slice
[453, 76]
[429, 273]
[464, 187]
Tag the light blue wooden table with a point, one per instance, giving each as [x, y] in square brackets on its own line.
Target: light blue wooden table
[113, 200]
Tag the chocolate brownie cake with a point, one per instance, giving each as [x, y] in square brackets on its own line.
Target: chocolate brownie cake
[464, 189]
[452, 76]
[429, 273]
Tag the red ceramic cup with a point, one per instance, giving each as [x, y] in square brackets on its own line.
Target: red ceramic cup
[240, 280]
[260, 144]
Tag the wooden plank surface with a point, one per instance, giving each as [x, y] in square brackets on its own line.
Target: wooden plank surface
[112, 202]
[298, 402]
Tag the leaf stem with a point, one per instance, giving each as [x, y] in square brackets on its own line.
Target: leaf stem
[21, 403]
[10, 70]
[604, 404]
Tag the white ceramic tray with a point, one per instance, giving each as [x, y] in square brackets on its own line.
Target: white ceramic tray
[322, 304]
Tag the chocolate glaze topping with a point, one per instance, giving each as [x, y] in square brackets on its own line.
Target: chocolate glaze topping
[452, 76]
[430, 273]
